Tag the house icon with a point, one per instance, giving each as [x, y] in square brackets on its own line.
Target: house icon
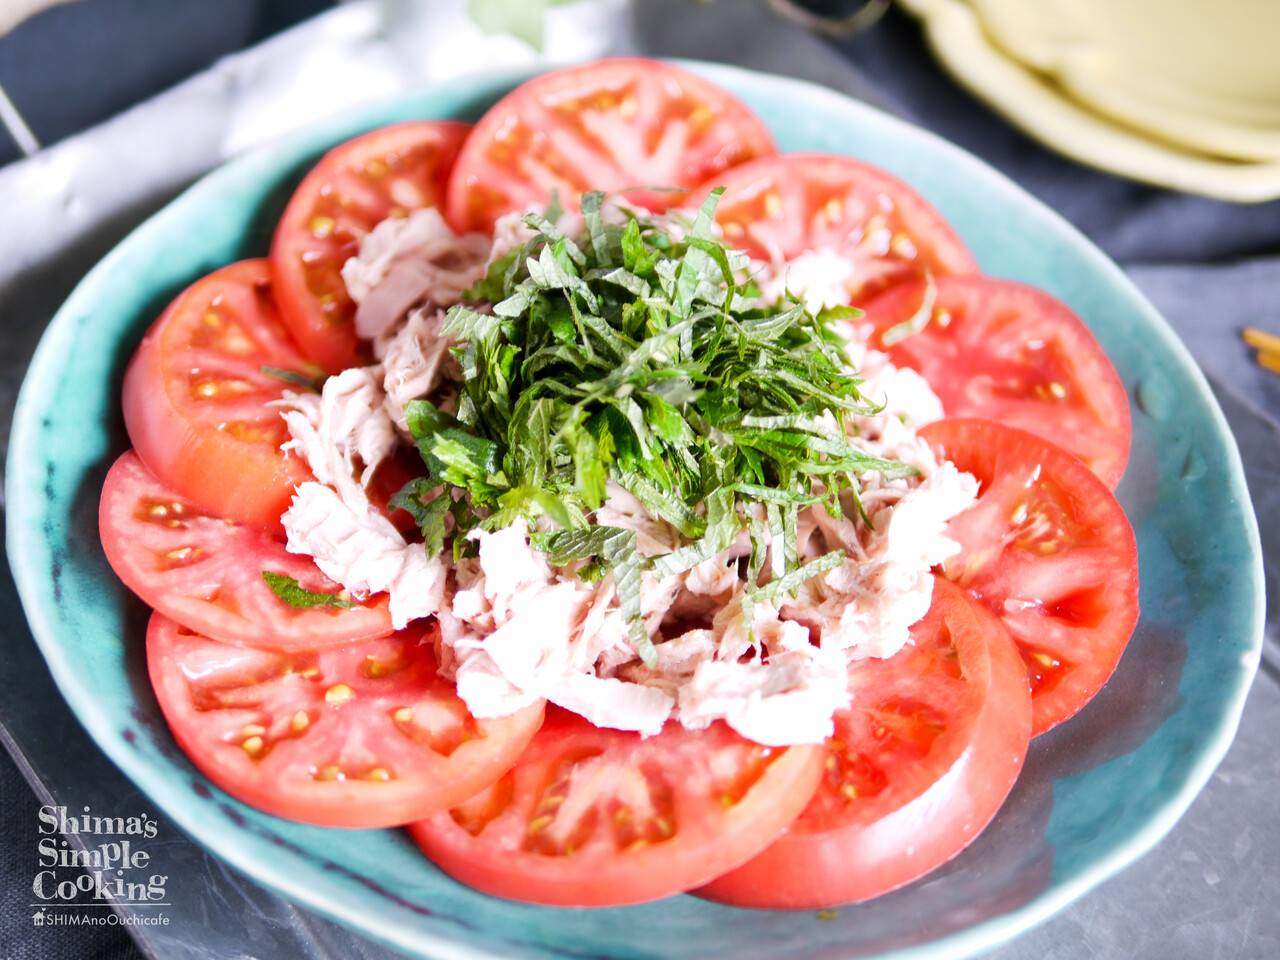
[38, 917]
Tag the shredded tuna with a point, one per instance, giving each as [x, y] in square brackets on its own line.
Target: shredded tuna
[416, 362]
[364, 552]
[407, 261]
[789, 699]
[828, 276]
[817, 279]
[341, 432]
[340, 429]
[515, 629]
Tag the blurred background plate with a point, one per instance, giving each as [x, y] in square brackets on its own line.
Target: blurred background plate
[1063, 86]
[1097, 792]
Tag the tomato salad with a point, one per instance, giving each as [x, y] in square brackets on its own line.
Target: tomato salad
[622, 506]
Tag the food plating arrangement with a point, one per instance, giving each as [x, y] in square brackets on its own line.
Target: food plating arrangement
[623, 507]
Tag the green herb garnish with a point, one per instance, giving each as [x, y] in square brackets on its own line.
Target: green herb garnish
[631, 354]
[292, 376]
[295, 595]
[918, 320]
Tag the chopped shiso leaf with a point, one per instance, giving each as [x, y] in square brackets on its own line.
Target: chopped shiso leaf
[292, 376]
[636, 355]
[295, 595]
[918, 320]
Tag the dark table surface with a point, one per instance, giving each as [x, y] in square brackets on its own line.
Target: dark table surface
[1209, 889]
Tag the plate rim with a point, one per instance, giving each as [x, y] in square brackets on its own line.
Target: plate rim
[23, 487]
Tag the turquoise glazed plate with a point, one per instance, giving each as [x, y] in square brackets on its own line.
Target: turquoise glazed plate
[1096, 793]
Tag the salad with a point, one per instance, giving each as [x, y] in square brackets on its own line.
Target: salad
[614, 539]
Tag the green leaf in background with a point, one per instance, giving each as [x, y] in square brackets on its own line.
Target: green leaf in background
[520, 18]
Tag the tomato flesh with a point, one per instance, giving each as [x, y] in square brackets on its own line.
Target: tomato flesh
[779, 207]
[611, 125]
[362, 735]
[592, 817]
[197, 392]
[1049, 551]
[919, 764]
[206, 572]
[387, 173]
[1005, 351]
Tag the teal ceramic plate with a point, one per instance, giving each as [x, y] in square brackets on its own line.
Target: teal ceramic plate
[1096, 793]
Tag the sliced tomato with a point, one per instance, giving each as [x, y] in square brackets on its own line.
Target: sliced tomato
[593, 817]
[1049, 551]
[196, 397]
[363, 735]
[206, 572]
[919, 764]
[354, 187]
[608, 126]
[1004, 351]
[779, 207]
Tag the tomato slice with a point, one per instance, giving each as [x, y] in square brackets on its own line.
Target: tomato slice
[919, 764]
[779, 207]
[206, 573]
[601, 126]
[1049, 551]
[363, 735]
[1005, 351]
[196, 395]
[593, 817]
[354, 187]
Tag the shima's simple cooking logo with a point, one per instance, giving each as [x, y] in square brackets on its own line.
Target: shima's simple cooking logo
[90, 860]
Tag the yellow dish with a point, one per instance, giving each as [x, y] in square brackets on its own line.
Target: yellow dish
[1066, 119]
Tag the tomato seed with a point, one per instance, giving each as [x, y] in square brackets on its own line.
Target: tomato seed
[540, 823]
[338, 693]
[901, 245]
